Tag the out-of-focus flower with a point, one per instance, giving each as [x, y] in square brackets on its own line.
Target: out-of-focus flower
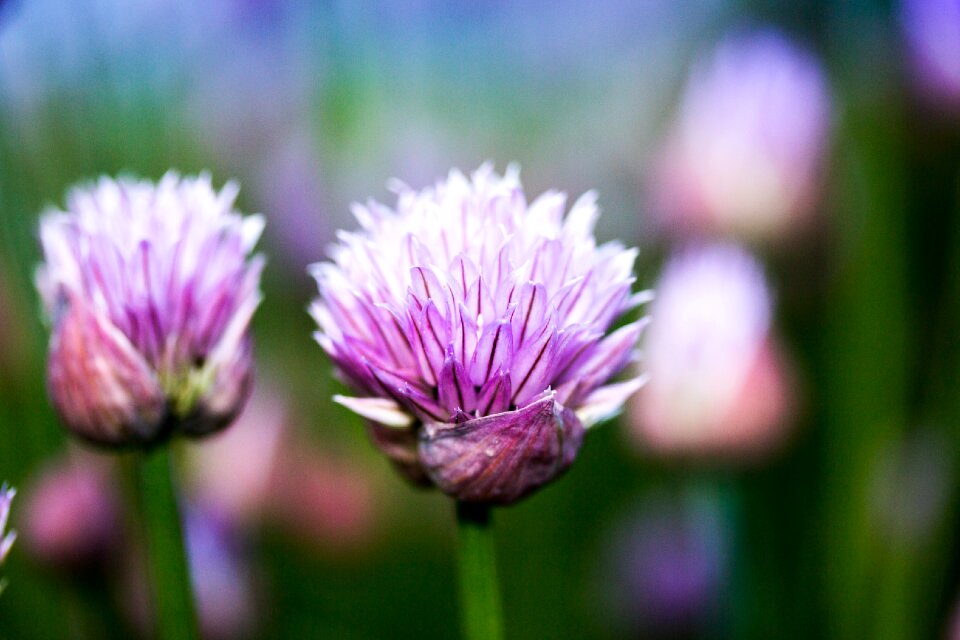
[324, 501]
[72, 515]
[278, 477]
[474, 327]
[221, 576]
[932, 30]
[150, 294]
[287, 183]
[744, 155]
[250, 448]
[663, 571]
[717, 383]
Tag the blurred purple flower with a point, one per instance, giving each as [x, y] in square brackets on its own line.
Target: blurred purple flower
[473, 325]
[150, 294]
[221, 577]
[72, 515]
[664, 569]
[932, 30]
[744, 155]
[716, 383]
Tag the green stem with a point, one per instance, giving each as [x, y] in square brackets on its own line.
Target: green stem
[166, 557]
[479, 595]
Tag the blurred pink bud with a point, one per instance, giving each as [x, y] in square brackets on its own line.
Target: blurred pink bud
[150, 290]
[744, 154]
[71, 515]
[932, 31]
[250, 449]
[717, 384]
[326, 502]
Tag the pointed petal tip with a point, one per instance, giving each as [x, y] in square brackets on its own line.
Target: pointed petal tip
[380, 410]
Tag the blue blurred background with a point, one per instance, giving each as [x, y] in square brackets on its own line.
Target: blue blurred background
[812, 494]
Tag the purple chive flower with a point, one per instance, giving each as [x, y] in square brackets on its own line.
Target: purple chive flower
[474, 327]
[744, 154]
[717, 384]
[932, 30]
[664, 566]
[150, 293]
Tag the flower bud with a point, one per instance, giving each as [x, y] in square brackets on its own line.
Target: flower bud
[150, 293]
[717, 384]
[72, 516]
[743, 156]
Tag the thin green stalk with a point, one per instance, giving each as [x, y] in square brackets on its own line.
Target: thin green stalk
[166, 557]
[479, 594]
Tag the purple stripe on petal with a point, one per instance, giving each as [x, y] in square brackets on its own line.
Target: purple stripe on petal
[533, 365]
[495, 395]
[455, 389]
[494, 352]
[530, 312]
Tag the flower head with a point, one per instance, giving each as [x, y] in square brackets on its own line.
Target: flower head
[474, 327]
[716, 384]
[150, 294]
[744, 154]
[932, 30]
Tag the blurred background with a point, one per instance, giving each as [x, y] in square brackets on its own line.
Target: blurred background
[791, 173]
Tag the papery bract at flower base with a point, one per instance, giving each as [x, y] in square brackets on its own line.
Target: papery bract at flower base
[478, 459]
[150, 294]
[474, 326]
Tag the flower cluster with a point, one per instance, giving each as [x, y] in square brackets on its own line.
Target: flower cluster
[475, 327]
[150, 294]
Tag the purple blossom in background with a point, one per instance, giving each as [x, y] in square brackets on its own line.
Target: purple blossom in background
[150, 294]
[72, 515]
[716, 383]
[6, 497]
[743, 157]
[221, 575]
[664, 567]
[473, 326]
[932, 30]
